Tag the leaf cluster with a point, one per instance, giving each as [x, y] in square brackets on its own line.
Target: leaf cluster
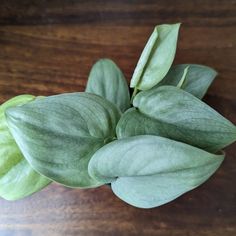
[151, 146]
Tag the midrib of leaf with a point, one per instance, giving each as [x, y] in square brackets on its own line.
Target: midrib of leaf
[212, 163]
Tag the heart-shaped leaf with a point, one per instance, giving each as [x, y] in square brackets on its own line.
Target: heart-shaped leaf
[156, 58]
[108, 81]
[197, 80]
[59, 134]
[17, 178]
[147, 171]
[179, 116]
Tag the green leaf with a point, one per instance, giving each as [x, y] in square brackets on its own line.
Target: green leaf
[17, 178]
[147, 171]
[156, 58]
[186, 118]
[59, 134]
[133, 123]
[108, 81]
[197, 81]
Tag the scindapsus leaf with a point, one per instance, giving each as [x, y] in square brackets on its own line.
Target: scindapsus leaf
[197, 81]
[17, 178]
[108, 81]
[59, 134]
[133, 123]
[156, 58]
[191, 120]
[147, 171]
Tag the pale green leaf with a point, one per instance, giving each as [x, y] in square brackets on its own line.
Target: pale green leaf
[156, 58]
[133, 123]
[17, 178]
[197, 81]
[108, 81]
[59, 134]
[147, 171]
[186, 118]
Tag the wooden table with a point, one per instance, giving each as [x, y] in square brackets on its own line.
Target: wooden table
[48, 47]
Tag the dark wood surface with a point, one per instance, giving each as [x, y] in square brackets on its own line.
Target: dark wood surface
[48, 47]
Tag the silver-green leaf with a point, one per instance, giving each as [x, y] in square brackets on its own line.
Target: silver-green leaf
[17, 178]
[156, 58]
[188, 119]
[147, 171]
[197, 80]
[59, 134]
[108, 81]
[133, 123]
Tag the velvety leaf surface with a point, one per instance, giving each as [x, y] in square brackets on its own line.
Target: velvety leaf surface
[17, 178]
[59, 134]
[108, 81]
[147, 171]
[156, 58]
[191, 120]
[197, 81]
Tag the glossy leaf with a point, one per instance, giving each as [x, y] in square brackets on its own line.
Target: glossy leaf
[17, 178]
[197, 81]
[108, 81]
[186, 118]
[147, 171]
[59, 134]
[156, 58]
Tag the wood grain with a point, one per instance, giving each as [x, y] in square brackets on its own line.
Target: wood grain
[48, 47]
